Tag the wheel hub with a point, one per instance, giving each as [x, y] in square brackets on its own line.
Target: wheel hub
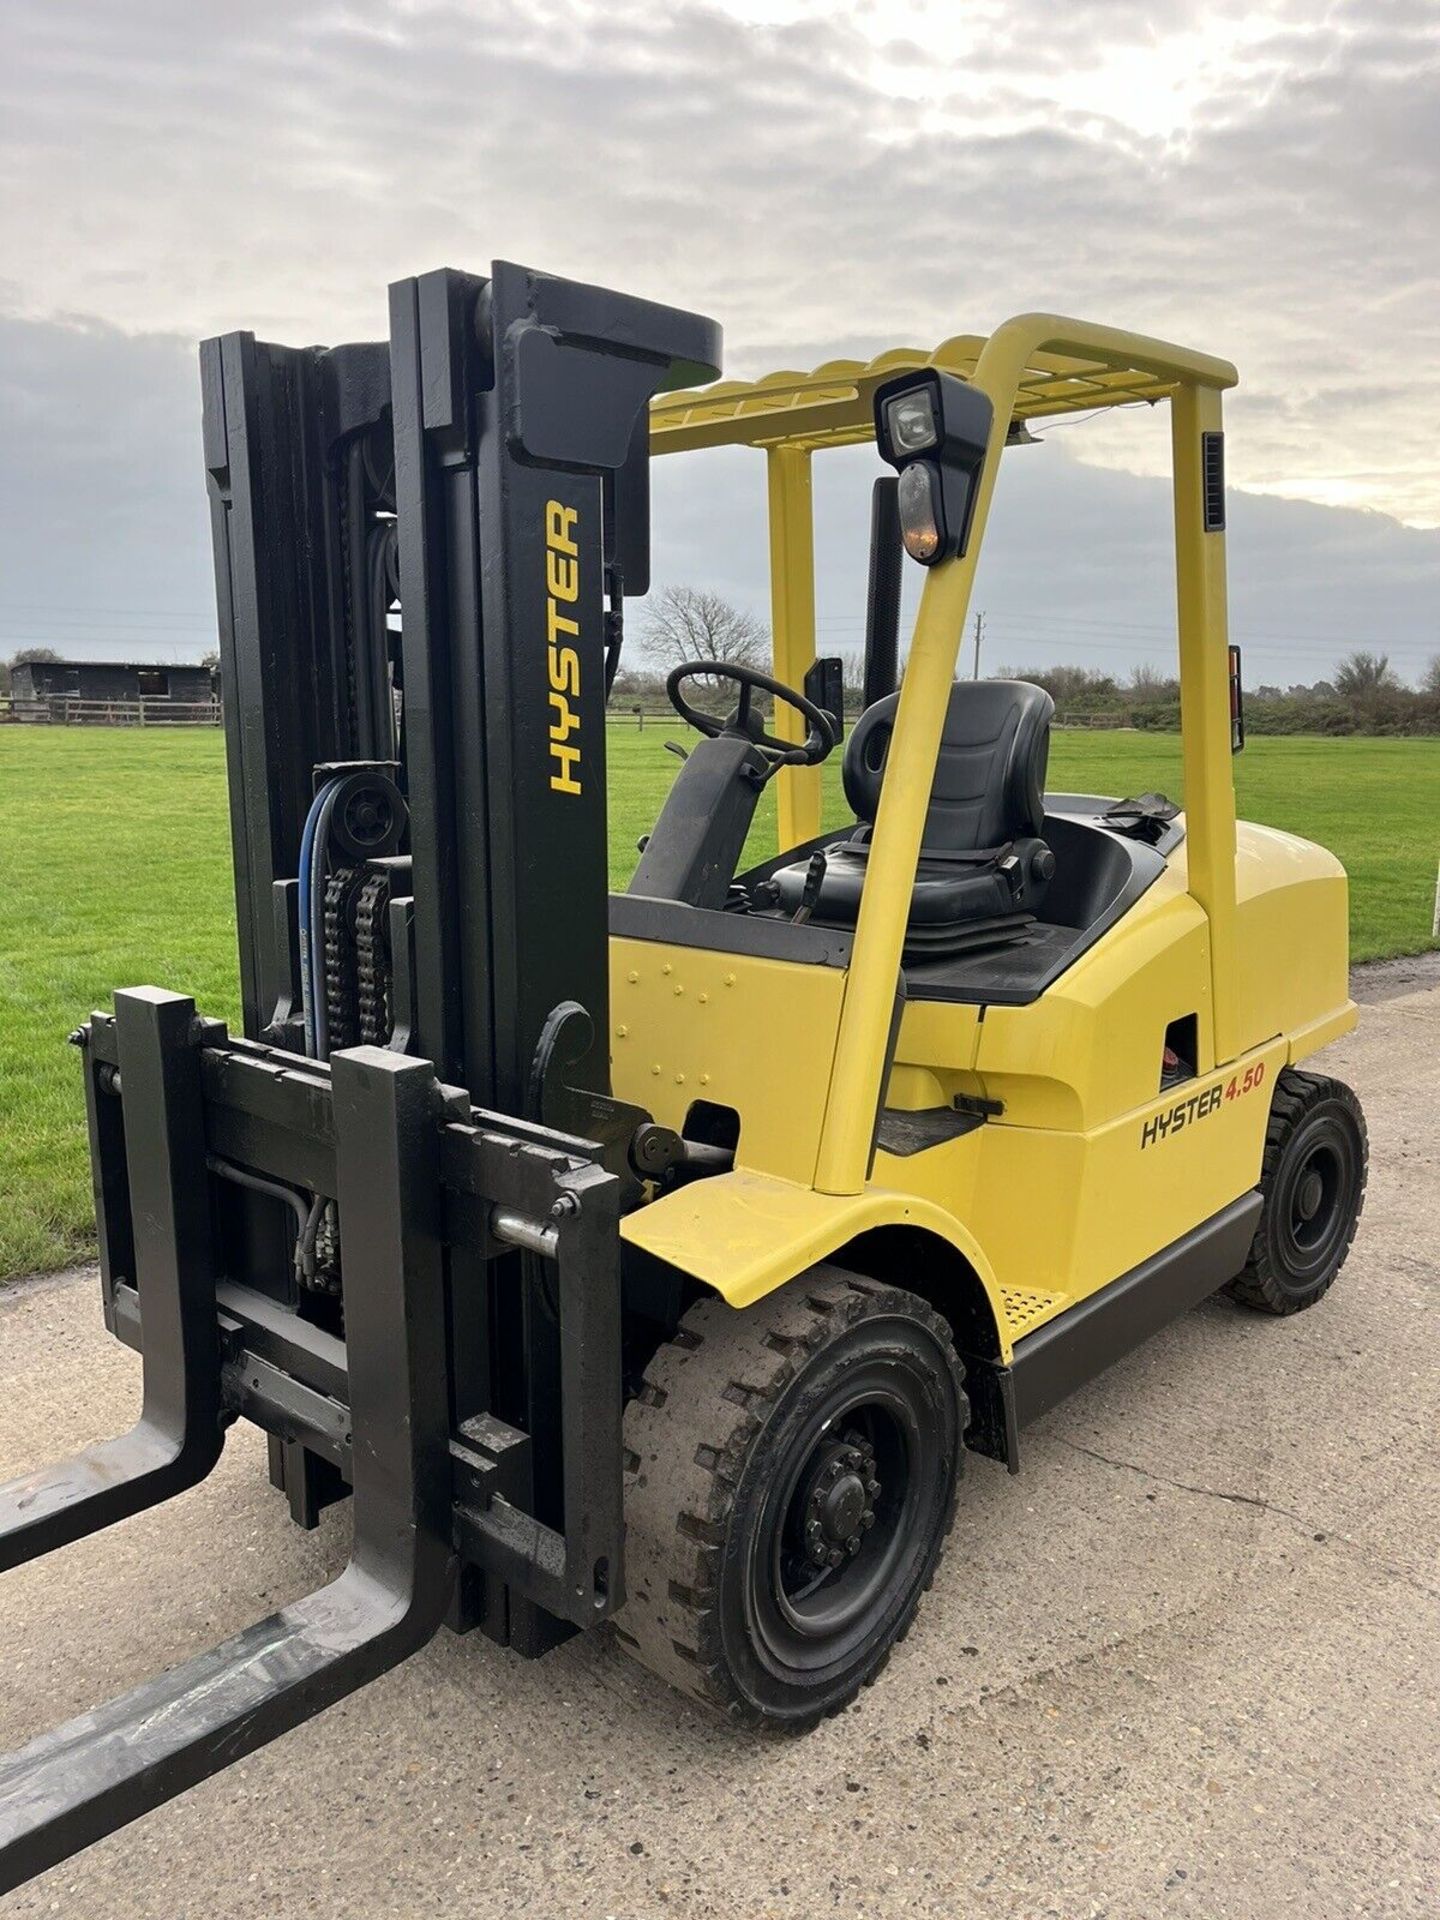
[840, 1506]
[1309, 1193]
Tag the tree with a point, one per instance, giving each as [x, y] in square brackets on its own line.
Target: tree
[1148, 684]
[1362, 673]
[1073, 689]
[27, 656]
[686, 623]
[1430, 679]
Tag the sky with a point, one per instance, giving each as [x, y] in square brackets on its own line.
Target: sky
[1260, 182]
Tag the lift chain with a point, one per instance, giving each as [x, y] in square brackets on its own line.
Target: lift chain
[372, 959]
[339, 960]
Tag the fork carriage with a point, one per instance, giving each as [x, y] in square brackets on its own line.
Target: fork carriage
[431, 1190]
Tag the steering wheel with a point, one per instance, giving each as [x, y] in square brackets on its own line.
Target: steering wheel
[745, 721]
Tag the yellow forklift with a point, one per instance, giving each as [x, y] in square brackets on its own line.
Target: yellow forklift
[658, 1258]
[1027, 1090]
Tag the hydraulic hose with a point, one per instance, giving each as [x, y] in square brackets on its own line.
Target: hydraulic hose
[307, 1218]
[313, 853]
[319, 866]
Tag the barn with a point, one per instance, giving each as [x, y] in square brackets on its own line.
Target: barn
[101, 689]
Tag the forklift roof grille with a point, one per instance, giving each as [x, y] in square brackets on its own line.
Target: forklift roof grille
[831, 405]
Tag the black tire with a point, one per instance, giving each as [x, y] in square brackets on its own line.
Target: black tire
[758, 1445]
[1313, 1182]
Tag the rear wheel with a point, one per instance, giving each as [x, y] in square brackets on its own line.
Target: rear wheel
[790, 1479]
[1313, 1183]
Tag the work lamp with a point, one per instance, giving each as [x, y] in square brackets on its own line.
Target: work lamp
[934, 429]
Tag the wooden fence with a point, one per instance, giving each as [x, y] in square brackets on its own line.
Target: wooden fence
[69, 710]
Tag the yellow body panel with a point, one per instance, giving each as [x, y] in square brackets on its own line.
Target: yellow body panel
[1077, 1181]
[1090, 1169]
[729, 1231]
[1293, 961]
[689, 1024]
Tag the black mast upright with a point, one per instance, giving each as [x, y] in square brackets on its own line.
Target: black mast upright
[299, 461]
[515, 398]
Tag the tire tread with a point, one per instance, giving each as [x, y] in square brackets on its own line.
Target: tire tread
[708, 1391]
[1297, 1093]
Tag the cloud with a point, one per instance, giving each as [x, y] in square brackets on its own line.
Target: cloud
[104, 526]
[823, 178]
[1078, 564]
[104, 534]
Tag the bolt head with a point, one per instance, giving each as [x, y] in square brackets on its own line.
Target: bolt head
[852, 1545]
[834, 1557]
[867, 1520]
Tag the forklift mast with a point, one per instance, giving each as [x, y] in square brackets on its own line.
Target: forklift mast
[490, 472]
[421, 553]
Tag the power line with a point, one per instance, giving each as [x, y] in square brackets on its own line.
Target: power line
[1156, 629]
[143, 613]
[1258, 637]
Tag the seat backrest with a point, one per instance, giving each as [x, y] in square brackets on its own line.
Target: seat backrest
[990, 775]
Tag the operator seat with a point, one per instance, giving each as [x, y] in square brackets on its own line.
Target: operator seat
[984, 868]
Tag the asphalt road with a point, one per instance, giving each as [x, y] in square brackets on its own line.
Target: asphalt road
[1185, 1665]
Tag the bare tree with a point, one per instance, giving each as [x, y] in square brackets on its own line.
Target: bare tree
[1360, 673]
[1147, 684]
[686, 623]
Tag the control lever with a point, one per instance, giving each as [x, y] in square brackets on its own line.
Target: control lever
[814, 881]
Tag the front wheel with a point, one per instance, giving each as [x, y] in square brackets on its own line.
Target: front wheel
[1313, 1185]
[790, 1476]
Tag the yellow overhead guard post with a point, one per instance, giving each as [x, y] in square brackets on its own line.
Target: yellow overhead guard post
[792, 621]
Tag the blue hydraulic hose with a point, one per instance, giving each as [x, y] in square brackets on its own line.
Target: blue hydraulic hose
[319, 863]
[307, 923]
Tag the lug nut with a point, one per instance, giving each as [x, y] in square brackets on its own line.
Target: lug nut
[867, 1520]
[872, 1487]
[835, 1556]
[852, 1545]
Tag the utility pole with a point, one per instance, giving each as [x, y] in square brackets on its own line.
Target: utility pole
[979, 636]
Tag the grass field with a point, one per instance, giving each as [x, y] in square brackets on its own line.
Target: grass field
[115, 869]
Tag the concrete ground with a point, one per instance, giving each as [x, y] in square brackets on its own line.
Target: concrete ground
[1185, 1665]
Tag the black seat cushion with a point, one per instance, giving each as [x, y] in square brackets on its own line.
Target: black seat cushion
[944, 891]
[982, 859]
[990, 773]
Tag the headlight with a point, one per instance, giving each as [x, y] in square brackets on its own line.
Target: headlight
[934, 429]
[911, 420]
